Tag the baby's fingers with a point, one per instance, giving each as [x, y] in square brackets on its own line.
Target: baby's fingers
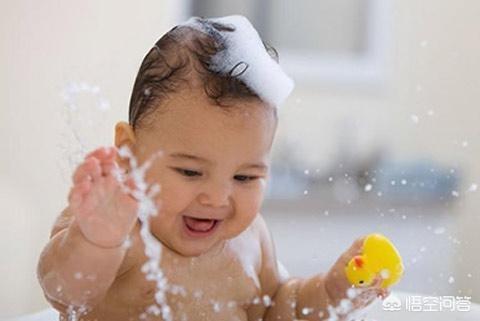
[76, 195]
[90, 169]
[109, 168]
[103, 153]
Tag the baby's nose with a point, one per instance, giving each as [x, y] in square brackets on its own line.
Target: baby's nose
[215, 195]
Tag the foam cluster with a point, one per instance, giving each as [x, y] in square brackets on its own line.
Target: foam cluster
[244, 56]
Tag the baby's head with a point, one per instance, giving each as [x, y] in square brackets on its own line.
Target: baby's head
[214, 129]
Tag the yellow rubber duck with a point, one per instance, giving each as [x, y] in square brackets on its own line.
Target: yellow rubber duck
[379, 257]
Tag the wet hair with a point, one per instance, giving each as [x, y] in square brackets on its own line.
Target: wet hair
[182, 55]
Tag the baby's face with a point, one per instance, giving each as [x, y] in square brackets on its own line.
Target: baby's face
[213, 170]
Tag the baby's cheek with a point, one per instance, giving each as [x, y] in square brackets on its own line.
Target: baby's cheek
[175, 196]
[250, 201]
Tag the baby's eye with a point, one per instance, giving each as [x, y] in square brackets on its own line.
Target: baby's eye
[245, 178]
[188, 172]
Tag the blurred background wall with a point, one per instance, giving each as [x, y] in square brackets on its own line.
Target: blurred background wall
[424, 107]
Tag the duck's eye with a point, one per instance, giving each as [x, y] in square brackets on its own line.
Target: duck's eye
[361, 281]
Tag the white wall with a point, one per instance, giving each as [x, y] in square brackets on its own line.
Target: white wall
[46, 44]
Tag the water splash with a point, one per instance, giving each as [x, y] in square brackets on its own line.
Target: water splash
[145, 194]
[84, 115]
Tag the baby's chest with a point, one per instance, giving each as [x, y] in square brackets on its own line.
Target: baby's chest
[220, 289]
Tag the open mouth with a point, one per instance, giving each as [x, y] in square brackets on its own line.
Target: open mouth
[199, 226]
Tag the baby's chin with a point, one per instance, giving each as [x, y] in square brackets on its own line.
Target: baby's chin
[197, 251]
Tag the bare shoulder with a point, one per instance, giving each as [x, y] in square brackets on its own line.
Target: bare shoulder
[269, 272]
[268, 275]
[260, 228]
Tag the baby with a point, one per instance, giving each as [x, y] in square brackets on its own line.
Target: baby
[206, 97]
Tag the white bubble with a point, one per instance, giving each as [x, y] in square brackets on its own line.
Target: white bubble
[439, 230]
[451, 280]
[414, 118]
[368, 187]
[455, 194]
[127, 243]
[307, 311]
[267, 301]
[264, 75]
[305, 192]
[385, 274]
[430, 112]
[78, 275]
[464, 143]
[216, 306]
[352, 293]
[404, 182]
[473, 188]
[306, 172]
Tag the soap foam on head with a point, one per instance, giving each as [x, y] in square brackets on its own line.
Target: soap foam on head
[245, 57]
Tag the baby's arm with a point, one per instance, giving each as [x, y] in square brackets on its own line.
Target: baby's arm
[307, 299]
[85, 252]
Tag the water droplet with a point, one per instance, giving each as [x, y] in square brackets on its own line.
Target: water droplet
[267, 301]
[307, 311]
[385, 274]
[439, 230]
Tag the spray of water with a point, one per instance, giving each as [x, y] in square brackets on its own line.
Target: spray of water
[146, 209]
[79, 119]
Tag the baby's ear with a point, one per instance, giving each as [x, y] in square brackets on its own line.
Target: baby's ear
[124, 135]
